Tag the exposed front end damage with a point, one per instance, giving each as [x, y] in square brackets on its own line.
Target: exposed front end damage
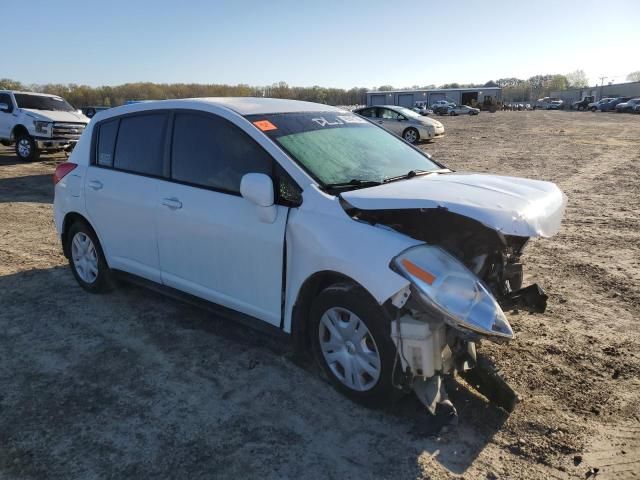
[461, 280]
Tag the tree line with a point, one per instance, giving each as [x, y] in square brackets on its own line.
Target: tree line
[111, 96]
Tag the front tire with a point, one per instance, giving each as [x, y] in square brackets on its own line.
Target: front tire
[86, 259]
[351, 341]
[411, 135]
[26, 148]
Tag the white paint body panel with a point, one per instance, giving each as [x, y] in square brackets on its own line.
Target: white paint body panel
[322, 237]
[216, 247]
[511, 205]
[123, 214]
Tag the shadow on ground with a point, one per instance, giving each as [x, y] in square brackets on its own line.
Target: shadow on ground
[30, 188]
[135, 384]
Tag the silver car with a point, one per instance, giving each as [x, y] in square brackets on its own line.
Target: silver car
[406, 123]
[462, 110]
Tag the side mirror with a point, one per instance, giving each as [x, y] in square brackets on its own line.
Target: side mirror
[257, 188]
[4, 107]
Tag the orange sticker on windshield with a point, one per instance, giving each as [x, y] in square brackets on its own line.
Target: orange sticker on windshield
[265, 125]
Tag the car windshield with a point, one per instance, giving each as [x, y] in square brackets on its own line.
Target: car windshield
[41, 102]
[339, 148]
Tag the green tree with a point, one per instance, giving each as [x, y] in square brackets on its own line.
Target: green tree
[558, 82]
[8, 84]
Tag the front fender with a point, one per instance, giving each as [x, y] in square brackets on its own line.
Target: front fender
[319, 241]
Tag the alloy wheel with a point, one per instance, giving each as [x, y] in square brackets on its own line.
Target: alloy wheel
[24, 147]
[410, 136]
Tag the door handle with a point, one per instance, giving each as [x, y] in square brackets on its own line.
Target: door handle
[95, 184]
[172, 203]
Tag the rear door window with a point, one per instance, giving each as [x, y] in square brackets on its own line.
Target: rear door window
[210, 151]
[106, 142]
[139, 144]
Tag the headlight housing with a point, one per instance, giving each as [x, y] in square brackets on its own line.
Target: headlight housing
[451, 289]
[42, 127]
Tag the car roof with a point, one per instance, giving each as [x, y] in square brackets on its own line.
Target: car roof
[240, 105]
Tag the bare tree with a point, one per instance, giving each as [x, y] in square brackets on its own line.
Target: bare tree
[634, 76]
[577, 79]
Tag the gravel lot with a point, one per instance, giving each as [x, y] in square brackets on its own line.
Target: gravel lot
[132, 384]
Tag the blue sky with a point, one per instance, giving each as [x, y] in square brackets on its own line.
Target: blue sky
[330, 43]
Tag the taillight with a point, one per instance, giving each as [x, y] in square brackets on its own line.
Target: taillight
[62, 170]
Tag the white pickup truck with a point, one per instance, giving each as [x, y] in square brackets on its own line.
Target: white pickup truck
[35, 123]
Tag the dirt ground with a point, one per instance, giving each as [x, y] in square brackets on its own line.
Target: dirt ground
[135, 385]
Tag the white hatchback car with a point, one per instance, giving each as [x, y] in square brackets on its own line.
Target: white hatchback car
[385, 264]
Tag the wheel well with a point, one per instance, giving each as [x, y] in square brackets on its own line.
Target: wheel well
[301, 309]
[69, 219]
[17, 130]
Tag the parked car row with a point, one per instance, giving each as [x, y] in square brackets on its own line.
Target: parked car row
[548, 103]
[629, 106]
[517, 106]
[615, 104]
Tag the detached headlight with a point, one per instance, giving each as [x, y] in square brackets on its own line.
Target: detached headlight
[453, 290]
[42, 127]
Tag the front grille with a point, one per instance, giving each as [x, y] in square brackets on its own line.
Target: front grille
[68, 131]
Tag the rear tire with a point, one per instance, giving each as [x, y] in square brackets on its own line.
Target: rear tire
[351, 341]
[86, 259]
[26, 148]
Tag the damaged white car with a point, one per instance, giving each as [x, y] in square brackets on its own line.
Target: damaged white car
[384, 263]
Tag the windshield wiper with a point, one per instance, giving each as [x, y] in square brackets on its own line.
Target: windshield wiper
[353, 183]
[409, 174]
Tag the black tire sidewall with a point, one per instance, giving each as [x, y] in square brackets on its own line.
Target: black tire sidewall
[103, 282]
[356, 299]
[34, 153]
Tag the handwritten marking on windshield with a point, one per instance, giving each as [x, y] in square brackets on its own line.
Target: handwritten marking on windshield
[339, 120]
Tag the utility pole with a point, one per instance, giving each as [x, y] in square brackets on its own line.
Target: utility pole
[602, 79]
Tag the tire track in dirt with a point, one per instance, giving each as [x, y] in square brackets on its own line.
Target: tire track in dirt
[616, 452]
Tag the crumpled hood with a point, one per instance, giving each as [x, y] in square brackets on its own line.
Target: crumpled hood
[56, 116]
[511, 205]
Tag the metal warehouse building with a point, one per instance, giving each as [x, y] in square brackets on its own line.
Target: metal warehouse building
[408, 98]
[630, 89]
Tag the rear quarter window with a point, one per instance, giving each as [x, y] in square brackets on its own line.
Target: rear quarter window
[106, 142]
